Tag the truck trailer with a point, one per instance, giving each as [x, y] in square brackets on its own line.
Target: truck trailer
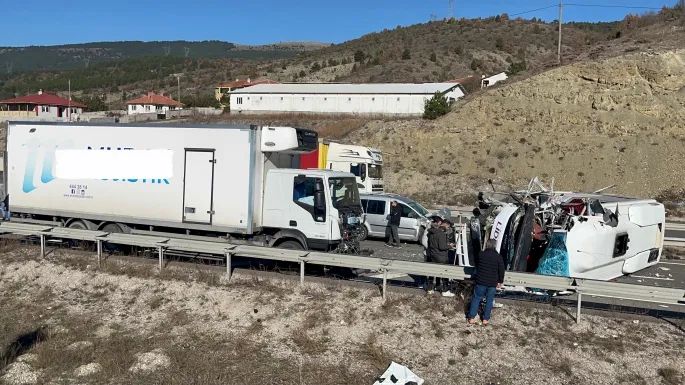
[365, 163]
[238, 182]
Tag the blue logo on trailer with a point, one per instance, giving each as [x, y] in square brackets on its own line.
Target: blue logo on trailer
[46, 175]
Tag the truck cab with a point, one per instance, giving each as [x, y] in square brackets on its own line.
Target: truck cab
[314, 206]
[364, 162]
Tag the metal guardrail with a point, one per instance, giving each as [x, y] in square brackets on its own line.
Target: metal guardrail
[674, 298]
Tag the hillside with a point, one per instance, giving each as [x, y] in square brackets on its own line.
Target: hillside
[61, 57]
[432, 51]
[588, 125]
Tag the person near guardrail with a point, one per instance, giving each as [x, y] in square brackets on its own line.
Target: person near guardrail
[489, 276]
[427, 282]
[394, 219]
[438, 248]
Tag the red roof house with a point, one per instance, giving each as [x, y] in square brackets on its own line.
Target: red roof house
[41, 104]
[153, 103]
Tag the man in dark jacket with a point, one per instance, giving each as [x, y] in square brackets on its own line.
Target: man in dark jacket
[394, 222]
[489, 276]
[438, 248]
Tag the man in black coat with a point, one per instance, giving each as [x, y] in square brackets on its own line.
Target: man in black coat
[489, 276]
[394, 222]
[438, 248]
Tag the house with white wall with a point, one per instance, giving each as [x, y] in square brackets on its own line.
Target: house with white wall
[491, 80]
[41, 106]
[341, 98]
[152, 103]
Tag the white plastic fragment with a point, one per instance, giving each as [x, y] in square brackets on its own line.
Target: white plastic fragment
[397, 374]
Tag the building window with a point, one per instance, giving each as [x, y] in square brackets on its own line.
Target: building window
[303, 98]
[349, 99]
[45, 108]
[133, 108]
[239, 100]
[260, 98]
[398, 99]
[324, 99]
[281, 98]
[147, 108]
[373, 99]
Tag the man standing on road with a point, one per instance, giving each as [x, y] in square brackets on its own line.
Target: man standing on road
[438, 248]
[394, 222]
[489, 277]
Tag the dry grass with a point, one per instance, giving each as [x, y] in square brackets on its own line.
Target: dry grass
[231, 333]
[670, 376]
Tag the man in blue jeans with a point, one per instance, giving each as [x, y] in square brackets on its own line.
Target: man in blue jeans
[489, 276]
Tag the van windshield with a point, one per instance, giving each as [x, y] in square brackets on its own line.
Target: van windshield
[344, 192]
[418, 208]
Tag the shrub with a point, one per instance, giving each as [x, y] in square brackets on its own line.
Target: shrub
[516, 67]
[406, 55]
[436, 106]
[359, 56]
[434, 57]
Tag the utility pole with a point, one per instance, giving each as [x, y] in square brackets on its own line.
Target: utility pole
[561, 5]
[69, 103]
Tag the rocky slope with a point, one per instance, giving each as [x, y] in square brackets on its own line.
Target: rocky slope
[591, 124]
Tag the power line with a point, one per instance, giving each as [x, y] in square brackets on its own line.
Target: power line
[582, 5]
[608, 6]
[534, 10]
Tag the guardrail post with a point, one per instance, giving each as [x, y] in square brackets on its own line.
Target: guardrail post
[42, 245]
[385, 281]
[579, 302]
[99, 243]
[161, 258]
[228, 266]
[302, 273]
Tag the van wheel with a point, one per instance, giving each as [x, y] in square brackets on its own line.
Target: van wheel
[290, 245]
[364, 233]
[421, 231]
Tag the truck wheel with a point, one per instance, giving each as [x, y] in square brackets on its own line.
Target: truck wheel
[290, 245]
[75, 243]
[113, 247]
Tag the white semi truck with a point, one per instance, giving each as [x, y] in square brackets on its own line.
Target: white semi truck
[237, 182]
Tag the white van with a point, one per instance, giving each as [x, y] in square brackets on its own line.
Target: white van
[376, 209]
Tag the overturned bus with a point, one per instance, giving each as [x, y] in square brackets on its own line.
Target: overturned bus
[580, 235]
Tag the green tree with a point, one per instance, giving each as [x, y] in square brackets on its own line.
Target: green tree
[316, 67]
[516, 67]
[499, 43]
[434, 57]
[303, 74]
[406, 55]
[475, 64]
[359, 56]
[436, 106]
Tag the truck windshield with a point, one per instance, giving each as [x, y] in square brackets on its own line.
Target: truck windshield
[375, 171]
[419, 209]
[344, 192]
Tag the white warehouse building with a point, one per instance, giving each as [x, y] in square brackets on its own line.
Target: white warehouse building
[377, 99]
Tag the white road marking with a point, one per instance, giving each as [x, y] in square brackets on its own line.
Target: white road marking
[671, 263]
[642, 276]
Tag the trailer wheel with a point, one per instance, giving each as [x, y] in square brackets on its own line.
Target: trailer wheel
[77, 225]
[290, 245]
[113, 247]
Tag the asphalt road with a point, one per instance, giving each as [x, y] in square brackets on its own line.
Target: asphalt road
[668, 273]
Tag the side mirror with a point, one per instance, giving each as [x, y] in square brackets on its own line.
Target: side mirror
[363, 172]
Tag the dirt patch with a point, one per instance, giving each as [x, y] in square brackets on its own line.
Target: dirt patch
[255, 330]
